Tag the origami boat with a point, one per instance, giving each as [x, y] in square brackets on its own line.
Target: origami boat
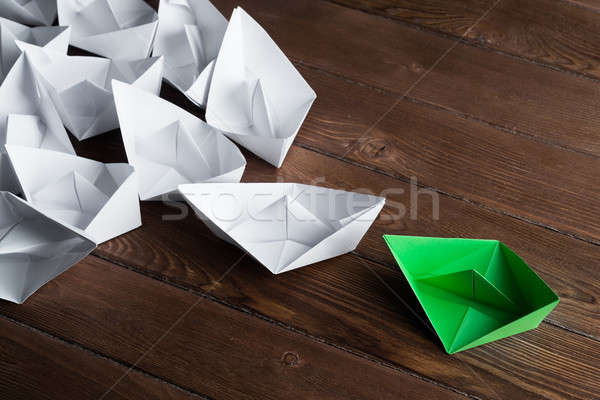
[34, 248]
[117, 29]
[189, 36]
[257, 97]
[99, 199]
[284, 226]
[28, 119]
[169, 146]
[473, 291]
[55, 38]
[81, 86]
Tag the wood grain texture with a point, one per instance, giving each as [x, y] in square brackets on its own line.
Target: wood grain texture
[561, 34]
[34, 366]
[549, 105]
[504, 171]
[454, 17]
[212, 349]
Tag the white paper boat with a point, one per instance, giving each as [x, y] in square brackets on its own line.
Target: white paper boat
[27, 118]
[100, 199]
[117, 29]
[189, 36]
[54, 38]
[81, 86]
[169, 146]
[284, 225]
[30, 12]
[34, 248]
[256, 95]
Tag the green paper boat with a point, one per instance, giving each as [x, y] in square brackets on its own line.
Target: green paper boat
[473, 291]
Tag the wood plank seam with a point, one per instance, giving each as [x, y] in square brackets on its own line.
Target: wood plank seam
[502, 128]
[436, 106]
[474, 43]
[405, 179]
[112, 360]
[255, 314]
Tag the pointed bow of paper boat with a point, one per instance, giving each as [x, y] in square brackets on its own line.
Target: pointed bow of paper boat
[256, 94]
[169, 146]
[99, 199]
[284, 226]
[473, 291]
[34, 248]
[116, 29]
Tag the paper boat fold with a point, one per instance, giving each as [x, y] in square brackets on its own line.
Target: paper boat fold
[54, 38]
[473, 291]
[30, 12]
[169, 146]
[81, 86]
[256, 95]
[117, 29]
[100, 199]
[284, 226]
[189, 36]
[34, 248]
[28, 119]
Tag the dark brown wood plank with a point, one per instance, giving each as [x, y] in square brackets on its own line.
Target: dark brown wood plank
[214, 349]
[504, 171]
[562, 34]
[546, 104]
[36, 366]
[454, 17]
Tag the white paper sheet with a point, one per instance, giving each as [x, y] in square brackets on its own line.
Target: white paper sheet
[30, 12]
[117, 29]
[55, 38]
[34, 248]
[284, 225]
[100, 199]
[81, 86]
[169, 146]
[28, 118]
[256, 95]
[189, 36]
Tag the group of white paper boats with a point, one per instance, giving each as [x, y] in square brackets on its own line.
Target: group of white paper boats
[253, 96]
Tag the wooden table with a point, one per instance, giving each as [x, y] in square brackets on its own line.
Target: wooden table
[490, 107]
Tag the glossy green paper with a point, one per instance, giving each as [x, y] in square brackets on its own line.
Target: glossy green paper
[473, 291]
